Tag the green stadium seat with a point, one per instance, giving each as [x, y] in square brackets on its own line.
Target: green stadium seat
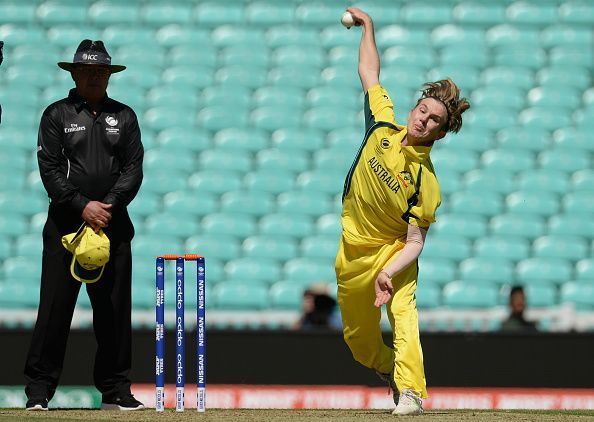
[190, 203]
[286, 295]
[173, 35]
[347, 137]
[295, 141]
[508, 160]
[231, 96]
[584, 269]
[490, 117]
[145, 203]
[232, 139]
[426, 14]
[172, 95]
[487, 270]
[333, 160]
[576, 12]
[162, 159]
[287, 97]
[273, 118]
[178, 55]
[215, 181]
[384, 13]
[471, 57]
[270, 181]
[321, 180]
[188, 76]
[391, 35]
[578, 294]
[407, 77]
[449, 34]
[299, 55]
[310, 270]
[304, 202]
[555, 181]
[508, 247]
[282, 159]
[143, 296]
[241, 225]
[340, 77]
[335, 36]
[318, 13]
[328, 224]
[283, 35]
[153, 245]
[319, 246]
[163, 181]
[280, 224]
[436, 270]
[230, 34]
[15, 295]
[449, 247]
[221, 160]
[564, 35]
[563, 160]
[507, 35]
[474, 202]
[531, 13]
[508, 75]
[159, 118]
[570, 56]
[544, 271]
[428, 296]
[443, 157]
[239, 55]
[29, 246]
[253, 202]
[514, 224]
[171, 223]
[327, 118]
[460, 294]
[588, 97]
[25, 204]
[224, 247]
[262, 270]
[570, 225]
[113, 12]
[530, 139]
[531, 203]
[184, 139]
[240, 296]
[17, 12]
[14, 34]
[450, 181]
[5, 248]
[521, 56]
[325, 96]
[470, 226]
[211, 14]
[489, 180]
[555, 76]
[565, 247]
[159, 14]
[119, 35]
[28, 75]
[57, 12]
[343, 56]
[295, 76]
[491, 96]
[583, 180]
[554, 96]
[269, 247]
[22, 269]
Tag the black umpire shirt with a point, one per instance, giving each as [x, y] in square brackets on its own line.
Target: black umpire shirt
[85, 158]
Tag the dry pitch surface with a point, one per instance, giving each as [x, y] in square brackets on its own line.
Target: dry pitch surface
[274, 415]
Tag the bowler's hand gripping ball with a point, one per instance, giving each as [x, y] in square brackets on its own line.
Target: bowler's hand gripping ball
[347, 20]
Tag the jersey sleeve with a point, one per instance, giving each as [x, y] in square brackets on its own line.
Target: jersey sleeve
[423, 213]
[378, 106]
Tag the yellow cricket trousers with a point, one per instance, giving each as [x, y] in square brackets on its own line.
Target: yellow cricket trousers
[356, 270]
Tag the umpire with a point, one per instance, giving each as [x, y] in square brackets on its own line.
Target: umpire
[90, 160]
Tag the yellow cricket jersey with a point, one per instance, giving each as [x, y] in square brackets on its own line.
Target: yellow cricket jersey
[379, 198]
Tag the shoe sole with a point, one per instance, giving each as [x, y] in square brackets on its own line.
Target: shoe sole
[109, 406]
[37, 407]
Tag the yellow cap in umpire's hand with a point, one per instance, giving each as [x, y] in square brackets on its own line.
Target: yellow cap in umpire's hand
[90, 253]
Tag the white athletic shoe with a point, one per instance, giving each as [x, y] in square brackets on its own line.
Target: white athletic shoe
[409, 404]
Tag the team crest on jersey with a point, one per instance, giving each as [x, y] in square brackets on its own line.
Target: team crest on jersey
[111, 129]
[385, 143]
[406, 177]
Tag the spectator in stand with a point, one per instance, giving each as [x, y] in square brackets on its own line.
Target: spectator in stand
[318, 309]
[516, 320]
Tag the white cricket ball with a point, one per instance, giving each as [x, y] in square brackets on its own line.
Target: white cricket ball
[347, 20]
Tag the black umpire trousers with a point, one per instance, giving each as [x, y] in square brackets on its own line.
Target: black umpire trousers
[110, 298]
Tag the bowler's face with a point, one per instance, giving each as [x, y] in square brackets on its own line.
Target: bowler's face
[91, 81]
[426, 120]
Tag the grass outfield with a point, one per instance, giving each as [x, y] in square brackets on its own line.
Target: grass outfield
[282, 415]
